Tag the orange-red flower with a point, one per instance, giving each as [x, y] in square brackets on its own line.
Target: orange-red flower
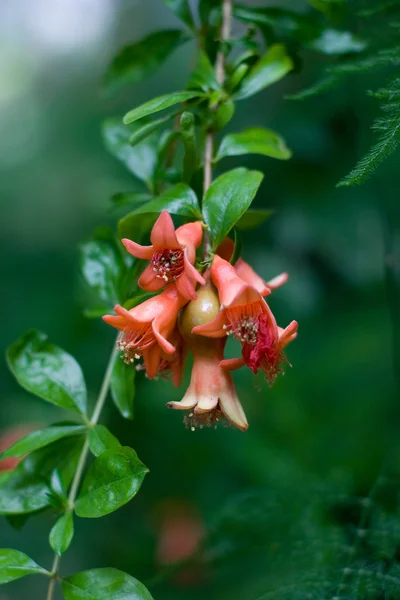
[211, 396]
[246, 316]
[171, 255]
[146, 329]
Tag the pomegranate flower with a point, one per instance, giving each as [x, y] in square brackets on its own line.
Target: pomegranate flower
[146, 328]
[211, 396]
[171, 255]
[247, 316]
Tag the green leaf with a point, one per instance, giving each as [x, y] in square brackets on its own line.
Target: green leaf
[388, 127]
[140, 60]
[160, 103]
[254, 141]
[62, 533]
[47, 371]
[182, 10]
[237, 76]
[140, 160]
[123, 387]
[145, 130]
[177, 200]
[112, 480]
[253, 217]
[27, 488]
[104, 584]
[270, 68]
[15, 564]
[227, 199]
[102, 267]
[203, 75]
[190, 158]
[40, 439]
[101, 439]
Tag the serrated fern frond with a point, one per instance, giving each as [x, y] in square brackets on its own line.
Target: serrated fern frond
[389, 127]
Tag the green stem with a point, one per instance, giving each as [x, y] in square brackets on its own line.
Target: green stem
[82, 460]
[220, 76]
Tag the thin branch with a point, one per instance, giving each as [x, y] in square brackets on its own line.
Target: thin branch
[226, 28]
[82, 460]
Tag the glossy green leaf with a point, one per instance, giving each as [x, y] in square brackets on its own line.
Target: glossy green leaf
[227, 199]
[270, 68]
[62, 533]
[101, 439]
[15, 564]
[104, 584]
[123, 387]
[190, 158]
[238, 74]
[253, 217]
[203, 75]
[182, 10]
[102, 267]
[141, 59]
[112, 480]
[40, 439]
[254, 141]
[177, 200]
[140, 160]
[160, 103]
[47, 371]
[27, 488]
[145, 130]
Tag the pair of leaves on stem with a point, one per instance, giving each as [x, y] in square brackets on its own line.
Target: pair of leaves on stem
[96, 584]
[41, 479]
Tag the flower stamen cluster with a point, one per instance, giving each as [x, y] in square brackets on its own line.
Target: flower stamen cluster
[168, 264]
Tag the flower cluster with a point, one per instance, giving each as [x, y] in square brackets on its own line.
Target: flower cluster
[197, 312]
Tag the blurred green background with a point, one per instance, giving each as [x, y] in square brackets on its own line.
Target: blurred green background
[325, 427]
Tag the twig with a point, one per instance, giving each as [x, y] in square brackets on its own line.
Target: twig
[82, 461]
[220, 76]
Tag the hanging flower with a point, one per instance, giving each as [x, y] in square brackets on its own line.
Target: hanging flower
[171, 255]
[146, 329]
[247, 317]
[211, 396]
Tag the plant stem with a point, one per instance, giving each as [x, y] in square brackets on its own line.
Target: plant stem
[220, 76]
[82, 459]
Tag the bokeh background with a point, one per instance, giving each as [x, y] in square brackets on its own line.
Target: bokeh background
[325, 428]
